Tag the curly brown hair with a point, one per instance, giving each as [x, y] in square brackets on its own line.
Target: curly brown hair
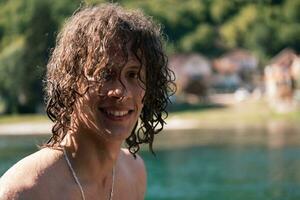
[91, 38]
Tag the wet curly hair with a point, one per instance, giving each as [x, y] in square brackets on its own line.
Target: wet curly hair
[93, 37]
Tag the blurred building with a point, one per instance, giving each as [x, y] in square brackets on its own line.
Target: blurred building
[282, 76]
[234, 70]
[193, 72]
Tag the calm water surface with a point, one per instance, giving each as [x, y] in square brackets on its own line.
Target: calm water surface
[237, 164]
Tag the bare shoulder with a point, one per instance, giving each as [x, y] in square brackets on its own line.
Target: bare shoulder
[21, 178]
[137, 164]
[136, 169]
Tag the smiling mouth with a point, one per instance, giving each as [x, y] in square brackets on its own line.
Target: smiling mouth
[116, 114]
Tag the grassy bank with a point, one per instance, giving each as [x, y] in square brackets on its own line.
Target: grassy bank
[248, 113]
[9, 119]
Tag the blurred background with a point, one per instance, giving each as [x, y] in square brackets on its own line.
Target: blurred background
[233, 128]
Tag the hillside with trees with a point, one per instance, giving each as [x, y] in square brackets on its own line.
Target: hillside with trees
[210, 27]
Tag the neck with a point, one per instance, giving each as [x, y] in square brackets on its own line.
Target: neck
[92, 157]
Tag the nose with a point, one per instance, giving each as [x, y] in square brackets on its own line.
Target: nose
[119, 88]
[116, 92]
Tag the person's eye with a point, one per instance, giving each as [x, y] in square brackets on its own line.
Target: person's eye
[133, 74]
[106, 75]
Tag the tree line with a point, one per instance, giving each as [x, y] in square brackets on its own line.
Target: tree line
[210, 27]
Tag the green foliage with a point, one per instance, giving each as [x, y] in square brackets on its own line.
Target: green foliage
[60, 10]
[23, 61]
[221, 10]
[233, 32]
[14, 16]
[178, 18]
[38, 41]
[201, 40]
[291, 9]
[207, 26]
[10, 74]
[290, 35]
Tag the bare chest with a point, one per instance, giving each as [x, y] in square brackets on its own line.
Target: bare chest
[126, 193]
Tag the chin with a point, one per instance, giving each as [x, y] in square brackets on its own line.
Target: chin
[119, 127]
[113, 133]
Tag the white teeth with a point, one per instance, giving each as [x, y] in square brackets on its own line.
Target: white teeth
[117, 113]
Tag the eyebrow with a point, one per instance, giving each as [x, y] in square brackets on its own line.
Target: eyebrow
[133, 66]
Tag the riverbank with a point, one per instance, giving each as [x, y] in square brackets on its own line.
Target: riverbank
[44, 127]
[250, 114]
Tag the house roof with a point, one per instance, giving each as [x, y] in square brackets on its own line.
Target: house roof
[238, 54]
[190, 64]
[236, 60]
[284, 58]
[188, 67]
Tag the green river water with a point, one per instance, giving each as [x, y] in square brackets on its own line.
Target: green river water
[256, 164]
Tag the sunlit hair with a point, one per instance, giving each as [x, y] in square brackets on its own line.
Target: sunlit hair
[99, 36]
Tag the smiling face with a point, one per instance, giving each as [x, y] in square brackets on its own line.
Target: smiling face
[111, 108]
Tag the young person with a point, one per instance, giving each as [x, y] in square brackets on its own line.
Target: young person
[107, 82]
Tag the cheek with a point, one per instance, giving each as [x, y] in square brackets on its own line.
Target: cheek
[86, 103]
[141, 94]
[138, 98]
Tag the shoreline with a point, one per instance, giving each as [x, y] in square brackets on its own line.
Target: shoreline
[245, 115]
[175, 124]
[44, 128]
[26, 128]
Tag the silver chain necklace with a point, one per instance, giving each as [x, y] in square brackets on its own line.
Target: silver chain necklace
[78, 182]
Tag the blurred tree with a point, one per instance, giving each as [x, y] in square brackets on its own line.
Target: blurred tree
[38, 41]
[207, 26]
[1, 32]
[233, 31]
[203, 40]
[61, 9]
[291, 10]
[221, 10]
[14, 16]
[10, 75]
[263, 41]
[290, 36]
[178, 18]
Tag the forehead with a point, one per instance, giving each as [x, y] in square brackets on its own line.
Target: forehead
[116, 56]
[121, 62]
[123, 51]
[133, 61]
